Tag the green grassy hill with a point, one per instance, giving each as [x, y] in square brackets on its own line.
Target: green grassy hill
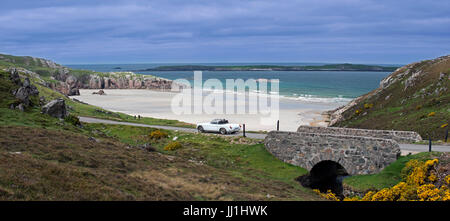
[415, 97]
[44, 158]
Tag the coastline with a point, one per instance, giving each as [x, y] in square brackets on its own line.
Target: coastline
[157, 104]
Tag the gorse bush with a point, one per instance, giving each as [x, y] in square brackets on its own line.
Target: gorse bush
[328, 195]
[173, 146]
[157, 135]
[368, 106]
[420, 183]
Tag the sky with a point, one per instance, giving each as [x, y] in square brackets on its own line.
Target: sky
[200, 31]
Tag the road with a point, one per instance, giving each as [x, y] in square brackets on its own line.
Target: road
[405, 148]
[190, 130]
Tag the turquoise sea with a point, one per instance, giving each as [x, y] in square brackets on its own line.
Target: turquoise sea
[320, 86]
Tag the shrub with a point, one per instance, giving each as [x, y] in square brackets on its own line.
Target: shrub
[419, 184]
[72, 119]
[418, 107]
[172, 146]
[157, 135]
[368, 106]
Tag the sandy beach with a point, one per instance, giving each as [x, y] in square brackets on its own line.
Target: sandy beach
[157, 104]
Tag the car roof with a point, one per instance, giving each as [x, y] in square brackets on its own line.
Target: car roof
[219, 119]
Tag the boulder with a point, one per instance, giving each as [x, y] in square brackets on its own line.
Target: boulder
[24, 92]
[100, 92]
[55, 108]
[20, 107]
[14, 77]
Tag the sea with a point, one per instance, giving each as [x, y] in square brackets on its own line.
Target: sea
[307, 86]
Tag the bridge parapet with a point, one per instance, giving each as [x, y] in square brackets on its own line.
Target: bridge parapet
[358, 155]
[399, 136]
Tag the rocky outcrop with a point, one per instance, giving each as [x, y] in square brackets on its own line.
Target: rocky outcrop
[68, 81]
[70, 85]
[357, 155]
[399, 136]
[56, 108]
[24, 92]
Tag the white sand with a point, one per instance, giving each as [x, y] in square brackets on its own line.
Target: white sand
[157, 104]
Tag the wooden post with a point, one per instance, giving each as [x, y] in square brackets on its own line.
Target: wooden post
[243, 130]
[278, 125]
[446, 135]
[429, 145]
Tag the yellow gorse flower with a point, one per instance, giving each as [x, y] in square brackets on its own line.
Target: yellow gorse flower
[418, 185]
[328, 195]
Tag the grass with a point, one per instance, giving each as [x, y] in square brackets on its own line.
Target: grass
[388, 177]
[407, 109]
[250, 163]
[48, 164]
[44, 158]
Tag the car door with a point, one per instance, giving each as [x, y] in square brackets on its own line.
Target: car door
[213, 126]
[220, 124]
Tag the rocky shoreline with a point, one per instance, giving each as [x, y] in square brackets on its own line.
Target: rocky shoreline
[69, 84]
[68, 81]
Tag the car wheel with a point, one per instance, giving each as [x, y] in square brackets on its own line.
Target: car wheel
[223, 131]
[200, 129]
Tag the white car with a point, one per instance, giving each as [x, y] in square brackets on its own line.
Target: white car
[218, 125]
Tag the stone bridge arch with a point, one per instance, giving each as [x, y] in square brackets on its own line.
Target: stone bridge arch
[358, 155]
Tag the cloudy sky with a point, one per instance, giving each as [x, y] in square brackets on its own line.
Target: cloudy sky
[357, 31]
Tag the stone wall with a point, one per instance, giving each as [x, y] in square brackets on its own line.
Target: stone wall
[358, 155]
[399, 136]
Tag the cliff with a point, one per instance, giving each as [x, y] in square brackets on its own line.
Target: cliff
[415, 97]
[69, 81]
[69, 84]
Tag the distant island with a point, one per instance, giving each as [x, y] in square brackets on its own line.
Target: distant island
[327, 67]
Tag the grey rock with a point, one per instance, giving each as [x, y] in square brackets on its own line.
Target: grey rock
[55, 108]
[42, 100]
[14, 77]
[93, 139]
[25, 91]
[26, 82]
[20, 107]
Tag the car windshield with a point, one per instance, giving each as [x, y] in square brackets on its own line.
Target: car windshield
[223, 121]
[219, 121]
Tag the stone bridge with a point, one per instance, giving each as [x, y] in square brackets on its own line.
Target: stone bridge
[357, 154]
[399, 136]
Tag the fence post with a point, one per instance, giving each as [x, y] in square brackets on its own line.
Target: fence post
[278, 125]
[243, 130]
[429, 145]
[446, 134]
